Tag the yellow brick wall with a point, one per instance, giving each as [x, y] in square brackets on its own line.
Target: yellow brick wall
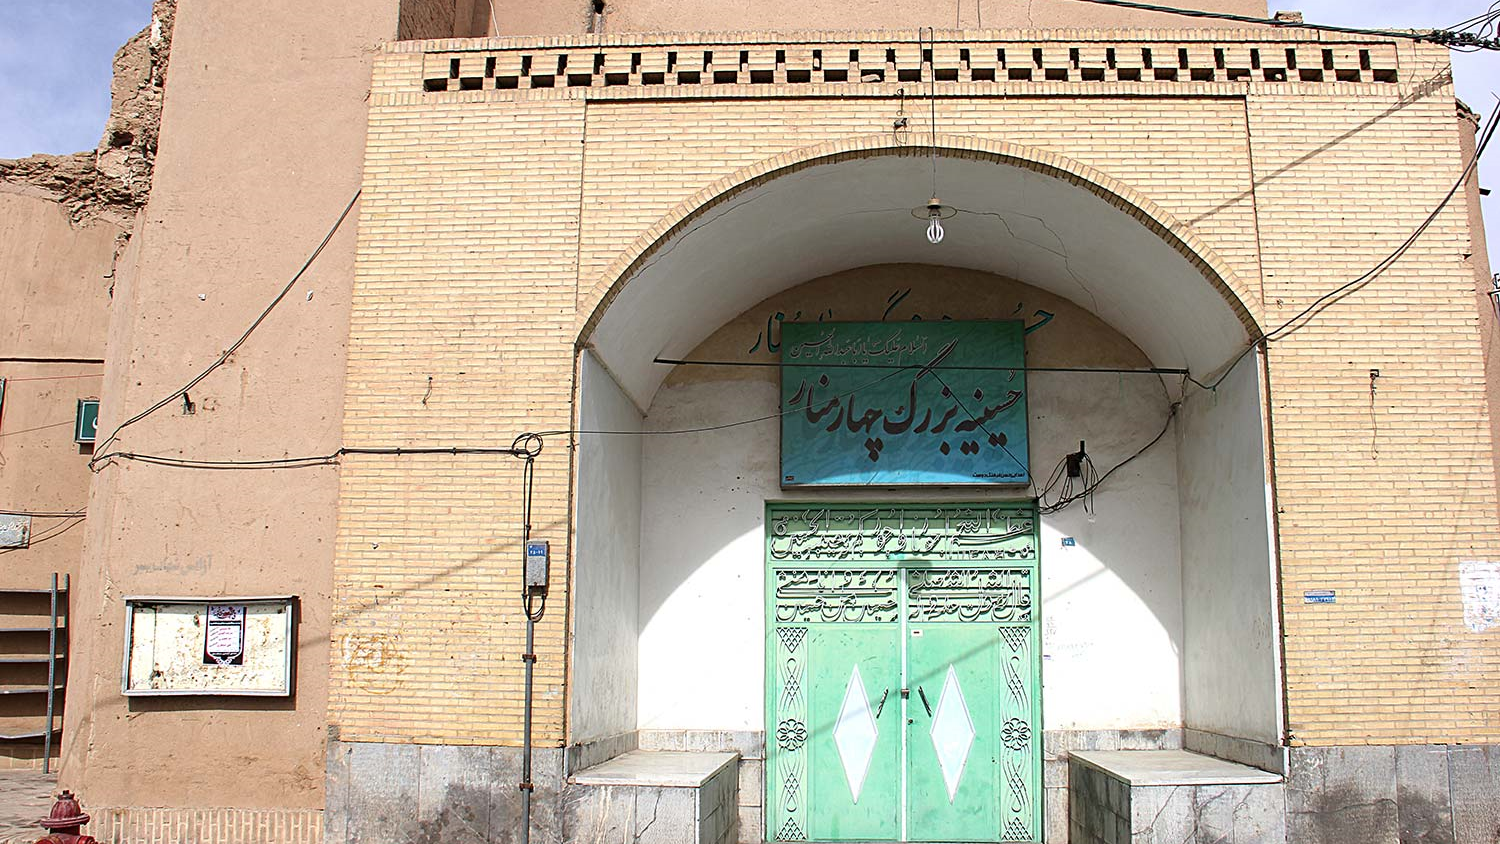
[492, 222]
[1186, 153]
[1380, 496]
[466, 275]
[135, 825]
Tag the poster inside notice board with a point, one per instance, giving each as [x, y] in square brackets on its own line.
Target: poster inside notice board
[903, 404]
[209, 646]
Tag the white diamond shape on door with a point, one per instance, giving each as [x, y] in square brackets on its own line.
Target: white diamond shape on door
[855, 733]
[952, 732]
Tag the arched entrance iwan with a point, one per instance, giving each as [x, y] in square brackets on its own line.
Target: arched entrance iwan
[1154, 624]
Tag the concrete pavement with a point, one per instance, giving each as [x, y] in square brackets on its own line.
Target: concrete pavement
[25, 797]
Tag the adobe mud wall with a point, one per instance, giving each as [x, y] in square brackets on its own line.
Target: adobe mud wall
[112, 180]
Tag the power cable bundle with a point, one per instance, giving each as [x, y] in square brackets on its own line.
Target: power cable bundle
[1467, 36]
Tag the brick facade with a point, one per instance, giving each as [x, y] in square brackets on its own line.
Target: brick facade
[219, 825]
[497, 217]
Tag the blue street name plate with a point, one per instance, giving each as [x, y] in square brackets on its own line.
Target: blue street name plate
[1318, 596]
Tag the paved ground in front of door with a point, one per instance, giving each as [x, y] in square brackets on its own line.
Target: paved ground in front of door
[25, 797]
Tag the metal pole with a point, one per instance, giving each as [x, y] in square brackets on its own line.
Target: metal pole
[51, 682]
[529, 657]
[526, 787]
[528, 446]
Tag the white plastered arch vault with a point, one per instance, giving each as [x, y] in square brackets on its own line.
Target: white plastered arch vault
[1025, 214]
[1054, 222]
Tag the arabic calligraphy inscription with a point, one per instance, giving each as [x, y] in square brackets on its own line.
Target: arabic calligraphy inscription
[919, 403]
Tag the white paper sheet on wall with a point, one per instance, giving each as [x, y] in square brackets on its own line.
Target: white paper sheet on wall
[1479, 582]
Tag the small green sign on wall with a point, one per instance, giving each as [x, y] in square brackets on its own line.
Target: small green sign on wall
[86, 426]
[903, 404]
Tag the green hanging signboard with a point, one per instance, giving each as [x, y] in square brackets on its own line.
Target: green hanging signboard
[903, 404]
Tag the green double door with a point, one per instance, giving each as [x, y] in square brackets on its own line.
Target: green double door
[903, 703]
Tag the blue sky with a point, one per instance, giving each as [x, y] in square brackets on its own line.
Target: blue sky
[56, 59]
[55, 65]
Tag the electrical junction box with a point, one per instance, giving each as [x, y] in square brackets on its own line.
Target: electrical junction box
[536, 566]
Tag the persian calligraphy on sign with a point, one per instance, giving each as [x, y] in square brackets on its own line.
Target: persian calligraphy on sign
[224, 640]
[909, 404]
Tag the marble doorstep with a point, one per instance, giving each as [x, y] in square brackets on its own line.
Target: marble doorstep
[1143, 768]
[661, 768]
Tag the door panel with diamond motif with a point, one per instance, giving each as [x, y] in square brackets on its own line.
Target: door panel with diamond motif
[854, 736]
[902, 675]
[969, 765]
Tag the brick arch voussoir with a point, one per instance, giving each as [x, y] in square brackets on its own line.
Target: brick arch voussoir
[1176, 233]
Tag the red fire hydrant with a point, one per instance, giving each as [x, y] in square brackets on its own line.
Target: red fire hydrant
[65, 821]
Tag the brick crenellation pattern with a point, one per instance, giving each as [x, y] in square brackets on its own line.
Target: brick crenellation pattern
[875, 63]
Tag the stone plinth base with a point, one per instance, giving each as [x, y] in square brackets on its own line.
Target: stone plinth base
[1428, 793]
[388, 793]
[661, 797]
[1160, 796]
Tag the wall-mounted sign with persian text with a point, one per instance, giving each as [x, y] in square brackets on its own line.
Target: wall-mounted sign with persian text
[903, 404]
[224, 638]
[209, 645]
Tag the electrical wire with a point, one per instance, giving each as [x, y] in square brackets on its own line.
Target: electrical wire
[1088, 477]
[38, 428]
[1487, 18]
[1323, 302]
[1089, 489]
[710, 428]
[1067, 495]
[1144, 370]
[1485, 24]
[50, 533]
[309, 460]
[46, 514]
[528, 444]
[26, 359]
[931, 94]
[1448, 38]
[1333, 295]
[225, 355]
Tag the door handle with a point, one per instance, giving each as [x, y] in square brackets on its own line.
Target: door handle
[880, 707]
[925, 706]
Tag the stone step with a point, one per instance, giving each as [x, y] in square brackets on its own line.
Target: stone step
[654, 797]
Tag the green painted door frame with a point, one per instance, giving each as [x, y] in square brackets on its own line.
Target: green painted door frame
[902, 673]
